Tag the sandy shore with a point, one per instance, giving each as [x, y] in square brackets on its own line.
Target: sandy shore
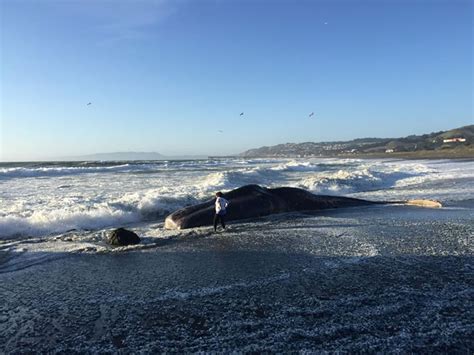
[386, 279]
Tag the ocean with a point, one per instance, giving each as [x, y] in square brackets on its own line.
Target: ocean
[49, 198]
[48, 208]
[388, 278]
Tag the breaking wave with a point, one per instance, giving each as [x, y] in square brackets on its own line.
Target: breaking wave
[130, 208]
[26, 172]
[93, 196]
[344, 182]
[237, 178]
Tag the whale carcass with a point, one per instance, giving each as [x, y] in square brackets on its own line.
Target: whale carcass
[252, 201]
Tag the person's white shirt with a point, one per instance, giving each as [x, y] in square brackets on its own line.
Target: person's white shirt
[221, 204]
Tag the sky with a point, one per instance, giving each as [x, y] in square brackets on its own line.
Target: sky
[173, 76]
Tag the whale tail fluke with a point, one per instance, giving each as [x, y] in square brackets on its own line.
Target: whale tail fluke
[415, 202]
[419, 203]
[424, 203]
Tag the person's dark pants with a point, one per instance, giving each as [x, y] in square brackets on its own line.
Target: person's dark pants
[217, 218]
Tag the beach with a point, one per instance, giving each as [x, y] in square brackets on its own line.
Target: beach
[366, 279]
[236, 177]
[384, 279]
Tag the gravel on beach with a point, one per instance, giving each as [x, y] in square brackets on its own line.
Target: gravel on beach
[376, 279]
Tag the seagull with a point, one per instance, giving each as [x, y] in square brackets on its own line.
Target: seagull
[90, 103]
[221, 131]
[311, 114]
[241, 114]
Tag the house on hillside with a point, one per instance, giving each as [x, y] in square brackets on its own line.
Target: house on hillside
[454, 140]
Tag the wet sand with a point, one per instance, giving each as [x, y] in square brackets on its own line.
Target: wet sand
[387, 279]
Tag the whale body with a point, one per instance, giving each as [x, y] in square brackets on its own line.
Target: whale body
[253, 201]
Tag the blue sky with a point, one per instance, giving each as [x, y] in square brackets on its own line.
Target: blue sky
[166, 76]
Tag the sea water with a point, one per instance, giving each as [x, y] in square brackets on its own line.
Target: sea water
[49, 198]
[279, 283]
[49, 210]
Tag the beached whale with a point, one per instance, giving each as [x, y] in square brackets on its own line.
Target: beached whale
[252, 201]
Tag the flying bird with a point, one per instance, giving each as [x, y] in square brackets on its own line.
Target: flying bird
[90, 103]
[221, 131]
[241, 114]
[311, 114]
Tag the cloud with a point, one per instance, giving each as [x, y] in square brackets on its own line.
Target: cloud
[121, 20]
[129, 20]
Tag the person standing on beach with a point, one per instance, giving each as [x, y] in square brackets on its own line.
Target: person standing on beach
[221, 206]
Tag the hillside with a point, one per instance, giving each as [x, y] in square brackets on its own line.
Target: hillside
[125, 156]
[119, 156]
[433, 145]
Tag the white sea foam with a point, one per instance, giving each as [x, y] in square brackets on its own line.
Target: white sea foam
[235, 178]
[58, 221]
[296, 166]
[55, 199]
[17, 172]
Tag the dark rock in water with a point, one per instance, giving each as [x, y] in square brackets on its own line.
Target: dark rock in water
[121, 236]
[252, 201]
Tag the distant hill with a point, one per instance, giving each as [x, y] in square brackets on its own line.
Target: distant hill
[119, 156]
[429, 145]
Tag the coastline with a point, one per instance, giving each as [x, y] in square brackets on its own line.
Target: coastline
[426, 154]
[464, 154]
[392, 278]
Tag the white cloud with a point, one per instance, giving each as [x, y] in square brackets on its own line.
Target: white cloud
[121, 20]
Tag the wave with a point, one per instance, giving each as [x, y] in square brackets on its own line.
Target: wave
[54, 217]
[296, 166]
[99, 202]
[26, 172]
[52, 222]
[130, 208]
[84, 210]
[29, 170]
[361, 180]
[302, 166]
[236, 178]
[51, 169]
[331, 177]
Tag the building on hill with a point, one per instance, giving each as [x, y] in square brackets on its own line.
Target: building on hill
[454, 140]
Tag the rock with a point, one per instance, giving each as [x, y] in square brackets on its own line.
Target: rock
[121, 236]
[252, 201]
